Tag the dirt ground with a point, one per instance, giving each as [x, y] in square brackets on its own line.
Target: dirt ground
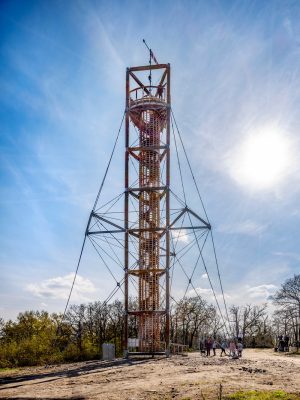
[179, 378]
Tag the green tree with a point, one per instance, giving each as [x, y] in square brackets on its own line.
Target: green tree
[29, 340]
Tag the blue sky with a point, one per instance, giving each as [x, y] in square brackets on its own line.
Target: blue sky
[235, 93]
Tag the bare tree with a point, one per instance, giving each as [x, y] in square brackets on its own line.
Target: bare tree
[2, 325]
[247, 320]
[288, 299]
[190, 316]
[235, 312]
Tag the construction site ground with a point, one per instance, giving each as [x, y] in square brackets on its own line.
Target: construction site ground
[178, 377]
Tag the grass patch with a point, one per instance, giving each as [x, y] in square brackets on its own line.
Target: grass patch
[259, 395]
[4, 370]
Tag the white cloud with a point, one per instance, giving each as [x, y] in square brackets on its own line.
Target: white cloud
[204, 276]
[238, 296]
[247, 227]
[59, 288]
[262, 292]
[246, 294]
[287, 254]
[203, 291]
[180, 236]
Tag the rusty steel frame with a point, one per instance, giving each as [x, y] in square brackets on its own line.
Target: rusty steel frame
[147, 252]
[148, 109]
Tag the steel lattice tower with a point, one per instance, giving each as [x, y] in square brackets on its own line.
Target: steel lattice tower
[148, 113]
[145, 231]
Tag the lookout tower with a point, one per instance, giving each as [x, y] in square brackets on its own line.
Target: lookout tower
[154, 230]
[147, 185]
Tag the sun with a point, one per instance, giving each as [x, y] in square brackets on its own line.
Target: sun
[263, 159]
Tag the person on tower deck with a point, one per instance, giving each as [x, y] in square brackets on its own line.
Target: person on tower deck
[160, 91]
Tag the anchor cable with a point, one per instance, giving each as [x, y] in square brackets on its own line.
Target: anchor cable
[200, 197]
[85, 235]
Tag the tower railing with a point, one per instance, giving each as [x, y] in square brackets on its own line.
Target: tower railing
[147, 94]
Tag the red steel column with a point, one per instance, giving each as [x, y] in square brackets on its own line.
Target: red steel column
[126, 216]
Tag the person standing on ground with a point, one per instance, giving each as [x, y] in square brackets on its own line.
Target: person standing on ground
[214, 346]
[232, 348]
[208, 346]
[201, 346]
[240, 348]
[223, 348]
[286, 343]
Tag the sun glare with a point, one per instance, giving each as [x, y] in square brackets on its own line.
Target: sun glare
[262, 160]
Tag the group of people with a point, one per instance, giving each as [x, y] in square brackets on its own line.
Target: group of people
[234, 347]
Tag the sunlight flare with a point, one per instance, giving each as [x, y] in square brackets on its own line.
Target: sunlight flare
[263, 159]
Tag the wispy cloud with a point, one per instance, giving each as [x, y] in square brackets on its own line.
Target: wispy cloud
[247, 227]
[287, 254]
[59, 288]
[208, 295]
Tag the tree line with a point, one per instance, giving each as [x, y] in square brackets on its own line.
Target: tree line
[37, 337]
